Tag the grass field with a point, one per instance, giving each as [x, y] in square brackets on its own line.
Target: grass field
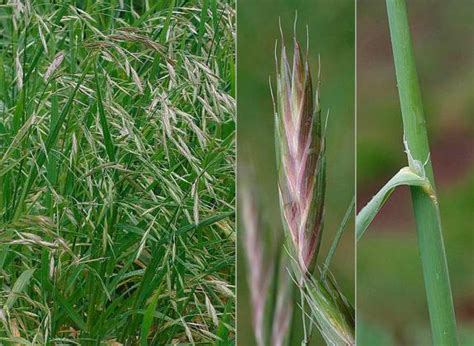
[116, 172]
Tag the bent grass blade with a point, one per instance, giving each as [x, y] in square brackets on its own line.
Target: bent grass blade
[406, 176]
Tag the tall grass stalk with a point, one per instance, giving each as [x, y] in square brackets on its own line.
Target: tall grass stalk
[428, 223]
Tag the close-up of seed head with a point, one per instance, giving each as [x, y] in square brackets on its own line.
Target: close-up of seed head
[300, 156]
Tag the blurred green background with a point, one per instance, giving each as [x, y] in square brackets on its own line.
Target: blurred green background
[391, 303]
[331, 35]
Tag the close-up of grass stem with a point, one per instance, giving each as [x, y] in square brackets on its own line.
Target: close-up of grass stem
[419, 176]
[428, 221]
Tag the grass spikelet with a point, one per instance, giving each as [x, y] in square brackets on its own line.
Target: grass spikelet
[270, 285]
[300, 157]
[58, 59]
[259, 272]
[19, 72]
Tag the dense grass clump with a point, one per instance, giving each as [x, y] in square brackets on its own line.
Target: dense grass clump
[116, 172]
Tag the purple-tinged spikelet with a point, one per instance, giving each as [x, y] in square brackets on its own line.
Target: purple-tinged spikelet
[269, 282]
[283, 306]
[300, 157]
[258, 270]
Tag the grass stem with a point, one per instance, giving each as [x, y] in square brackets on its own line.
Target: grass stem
[428, 223]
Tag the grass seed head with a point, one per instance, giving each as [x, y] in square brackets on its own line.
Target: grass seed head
[300, 157]
[259, 277]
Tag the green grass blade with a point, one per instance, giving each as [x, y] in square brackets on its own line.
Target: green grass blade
[3, 86]
[18, 287]
[69, 309]
[148, 317]
[404, 177]
[428, 224]
[109, 146]
[337, 238]
[223, 330]
[202, 25]
[52, 138]
[164, 30]
[40, 49]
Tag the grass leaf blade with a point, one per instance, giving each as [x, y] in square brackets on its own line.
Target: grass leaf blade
[367, 214]
[18, 287]
[337, 238]
[109, 146]
[148, 317]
